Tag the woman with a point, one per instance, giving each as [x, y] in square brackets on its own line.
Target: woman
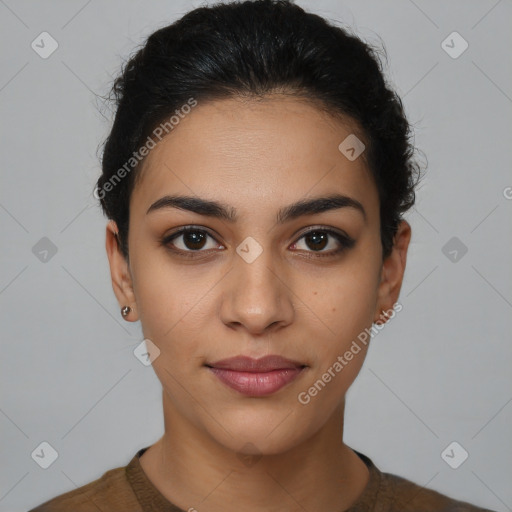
[255, 180]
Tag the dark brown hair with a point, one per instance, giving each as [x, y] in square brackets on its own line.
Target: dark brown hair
[253, 48]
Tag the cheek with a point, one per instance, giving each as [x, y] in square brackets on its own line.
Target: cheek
[174, 304]
[345, 302]
[346, 305]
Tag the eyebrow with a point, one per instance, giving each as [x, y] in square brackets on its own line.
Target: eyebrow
[225, 212]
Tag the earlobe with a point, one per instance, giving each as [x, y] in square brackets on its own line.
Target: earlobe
[392, 273]
[120, 272]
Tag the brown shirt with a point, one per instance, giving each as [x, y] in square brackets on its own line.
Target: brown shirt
[127, 489]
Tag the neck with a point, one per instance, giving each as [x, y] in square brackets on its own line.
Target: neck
[193, 471]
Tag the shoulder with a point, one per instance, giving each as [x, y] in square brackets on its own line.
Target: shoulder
[109, 492]
[406, 496]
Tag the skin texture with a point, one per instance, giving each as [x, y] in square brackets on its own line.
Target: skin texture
[256, 156]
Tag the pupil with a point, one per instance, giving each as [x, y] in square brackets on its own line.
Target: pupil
[194, 240]
[318, 238]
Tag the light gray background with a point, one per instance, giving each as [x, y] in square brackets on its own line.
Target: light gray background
[438, 372]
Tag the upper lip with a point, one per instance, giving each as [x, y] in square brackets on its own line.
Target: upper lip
[263, 364]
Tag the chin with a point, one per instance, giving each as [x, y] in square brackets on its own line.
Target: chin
[252, 434]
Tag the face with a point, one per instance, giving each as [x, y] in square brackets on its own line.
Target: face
[260, 280]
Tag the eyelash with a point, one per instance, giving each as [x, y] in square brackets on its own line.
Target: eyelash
[345, 242]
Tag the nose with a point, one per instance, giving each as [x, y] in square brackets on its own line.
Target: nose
[257, 297]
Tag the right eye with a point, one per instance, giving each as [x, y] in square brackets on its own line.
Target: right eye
[189, 240]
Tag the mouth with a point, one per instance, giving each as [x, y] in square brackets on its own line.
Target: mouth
[256, 377]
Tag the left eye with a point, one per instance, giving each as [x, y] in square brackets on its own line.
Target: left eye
[320, 239]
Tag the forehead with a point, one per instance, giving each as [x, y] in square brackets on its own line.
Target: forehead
[245, 152]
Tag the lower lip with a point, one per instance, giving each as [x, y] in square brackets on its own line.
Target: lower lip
[256, 384]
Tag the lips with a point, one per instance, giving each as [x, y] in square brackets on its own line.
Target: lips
[248, 364]
[256, 377]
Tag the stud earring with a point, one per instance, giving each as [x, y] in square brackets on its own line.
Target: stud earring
[125, 311]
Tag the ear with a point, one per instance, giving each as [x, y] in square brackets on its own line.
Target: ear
[393, 268]
[120, 272]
